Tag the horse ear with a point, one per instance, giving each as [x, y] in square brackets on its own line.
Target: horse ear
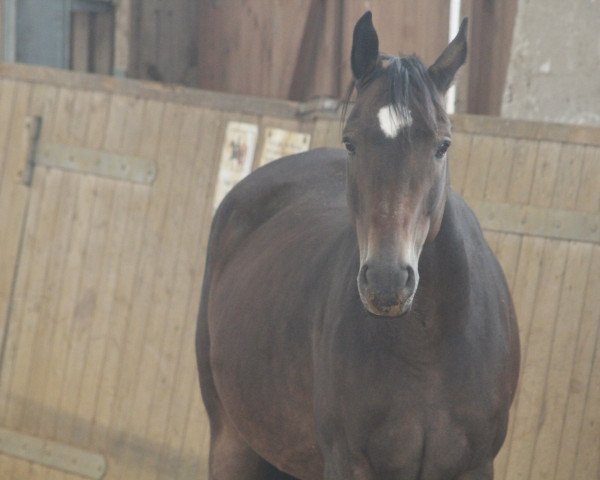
[445, 67]
[365, 47]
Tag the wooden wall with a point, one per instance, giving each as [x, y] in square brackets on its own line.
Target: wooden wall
[100, 278]
[299, 50]
[164, 40]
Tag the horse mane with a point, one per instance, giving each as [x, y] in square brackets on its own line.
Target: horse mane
[410, 87]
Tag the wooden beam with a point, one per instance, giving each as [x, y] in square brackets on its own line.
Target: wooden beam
[52, 454]
[80, 41]
[103, 36]
[9, 27]
[309, 49]
[538, 221]
[122, 42]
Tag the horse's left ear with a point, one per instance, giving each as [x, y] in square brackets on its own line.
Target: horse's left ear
[445, 67]
[365, 47]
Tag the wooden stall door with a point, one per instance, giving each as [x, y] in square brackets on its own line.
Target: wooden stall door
[100, 309]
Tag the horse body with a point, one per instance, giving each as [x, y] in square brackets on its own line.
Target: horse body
[417, 394]
[303, 371]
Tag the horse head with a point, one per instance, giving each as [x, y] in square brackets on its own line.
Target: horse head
[397, 136]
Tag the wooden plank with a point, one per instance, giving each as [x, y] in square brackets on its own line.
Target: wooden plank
[126, 288]
[587, 462]
[83, 406]
[168, 422]
[569, 175]
[530, 401]
[117, 242]
[499, 174]
[8, 253]
[588, 195]
[167, 320]
[541, 222]
[580, 378]
[131, 382]
[13, 206]
[42, 360]
[522, 173]
[92, 262]
[526, 129]
[479, 164]
[7, 100]
[147, 419]
[92, 133]
[29, 471]
[42, 102]
[524, 294]
[29, 306]
[45, 386]
[545, 176]
[558, 369]
[52, 454]
[326, 133]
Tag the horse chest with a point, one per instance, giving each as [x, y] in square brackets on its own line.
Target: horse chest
[405, 420]
[406, 438]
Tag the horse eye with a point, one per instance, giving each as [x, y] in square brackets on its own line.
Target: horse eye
[350, 147]
[442, 149]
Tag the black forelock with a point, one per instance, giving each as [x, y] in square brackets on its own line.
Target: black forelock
[410, 87]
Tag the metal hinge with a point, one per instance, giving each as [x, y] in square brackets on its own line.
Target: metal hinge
[82, 160]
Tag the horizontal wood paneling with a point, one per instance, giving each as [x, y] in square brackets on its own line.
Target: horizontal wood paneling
[99, 353]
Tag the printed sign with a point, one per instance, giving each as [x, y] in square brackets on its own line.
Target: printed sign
[279, 143]
[237, 157]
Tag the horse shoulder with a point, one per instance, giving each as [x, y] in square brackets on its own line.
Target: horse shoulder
[271, 189]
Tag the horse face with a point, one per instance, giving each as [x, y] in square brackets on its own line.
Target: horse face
[397, 136]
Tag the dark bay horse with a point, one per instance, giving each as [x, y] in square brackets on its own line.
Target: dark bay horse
[354, 324]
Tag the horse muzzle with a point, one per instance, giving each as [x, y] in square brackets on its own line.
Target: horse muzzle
[387, 291]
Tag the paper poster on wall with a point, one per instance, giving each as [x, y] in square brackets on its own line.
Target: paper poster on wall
[279, 143]
[237, 157]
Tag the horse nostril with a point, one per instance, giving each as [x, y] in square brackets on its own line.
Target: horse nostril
[408, 276]
[362, 276]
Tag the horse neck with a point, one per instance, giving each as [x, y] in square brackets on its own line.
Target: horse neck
[443, 265]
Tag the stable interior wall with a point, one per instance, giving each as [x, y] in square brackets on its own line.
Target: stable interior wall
[555, 62]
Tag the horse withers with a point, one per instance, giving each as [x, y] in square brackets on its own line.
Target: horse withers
[354, 324]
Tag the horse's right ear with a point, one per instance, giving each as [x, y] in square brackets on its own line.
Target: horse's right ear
[445, 67]
[365, 47]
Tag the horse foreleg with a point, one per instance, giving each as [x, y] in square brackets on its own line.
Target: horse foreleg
[232, 459]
